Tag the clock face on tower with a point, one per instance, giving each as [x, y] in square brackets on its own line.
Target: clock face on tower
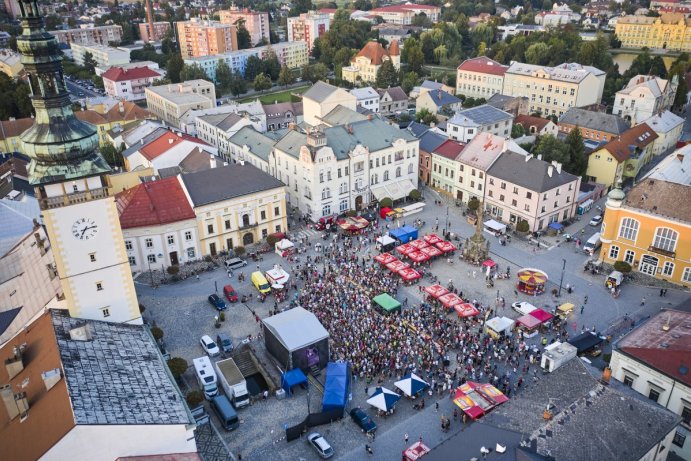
[84, 229]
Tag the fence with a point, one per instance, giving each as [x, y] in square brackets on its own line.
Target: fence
[312, 420]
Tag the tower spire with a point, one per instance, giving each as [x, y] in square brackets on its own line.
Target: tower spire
[61, 146]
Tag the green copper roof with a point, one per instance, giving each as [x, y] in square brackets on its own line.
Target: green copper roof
[61, 147]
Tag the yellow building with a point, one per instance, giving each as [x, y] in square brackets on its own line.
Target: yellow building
[670, 31]
[622, 157]
[205, 38]
[365, 65]
[117, 116]
[650, 229]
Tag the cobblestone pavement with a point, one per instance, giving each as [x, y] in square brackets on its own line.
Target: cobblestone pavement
[182, 311]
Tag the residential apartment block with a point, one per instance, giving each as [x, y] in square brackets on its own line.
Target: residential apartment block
[668, 127]
[367, 98]
[404, 13]
[523, 188]
[647, 227]
[103, 35]
[595, 126]
[161, 28]
[480, 77]
[169, 102]
[204, 38]
[473, 163]
[104, 56]
[669, 31]
[307, 28]
[256, 22]
[321, 99]
[293, 55]
[365, 65]
[129, 84]
[644, 96]
[467, 123]
[554, 90]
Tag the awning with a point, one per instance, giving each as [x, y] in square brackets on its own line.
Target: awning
[432, 239]
[529, 322]
[556, 226]
[436, 290]
[432, 251]
[419, 244]
[465, 310]
[500, 324]
[542, 315]
[396, 266]
[446, 247]
[394, 190]
[449, 300]
[385, 258]
[405, 249]
[495, 226]
[386, 302]
[385, 240]
[409, 274]
[418, 256]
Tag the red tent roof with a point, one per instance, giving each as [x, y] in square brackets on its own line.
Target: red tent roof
[541, 315]
[397, 265]
[409, 273]
[446, 247]
[528, 321]
[436, 290]
[418, 256]
[450, 299]
[432, 239]
[465, 310]
[153, 203]
[432, 251]
[385, 258]
[418, 244]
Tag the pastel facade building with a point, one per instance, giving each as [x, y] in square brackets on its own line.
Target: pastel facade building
[307, 28]
[256, 22]
[170, 102]
[160, 30]
[102, 54]
[480, 77]
[669, 31]
[204, 38]
[644, 96]
[103, 35]
[365, 65]
[129, 84]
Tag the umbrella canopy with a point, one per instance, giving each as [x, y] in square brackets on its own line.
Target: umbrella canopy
[397, 265]
[418, 244]
[465, 310]
[542, 315]
[355, 223]
[383, 399]
[532, 276]
[449, 300]
[489, 263]
[409, 274]
[404, 249]
[446, 247]
[528, 321]
[436, 291]
[385, 258]
[386, 302]
[418, 256]
[411, 384]
[431, 251]
[432, 238]
[556, 226]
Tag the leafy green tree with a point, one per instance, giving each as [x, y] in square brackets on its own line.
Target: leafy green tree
[300, 6]
[412, 54]
[387, 75]
[97, 81]
[238, 85]
[286, 77]
[112, 155]
[244, 38]
[262, 82]
[223, 77]
[315, 72]
[537, 53]
[578, 161]
[89, 62]
[271, 65]
[551, 148]
[426, 117]
[253, 67]
[177, 366]
[517, 131]
[192, 72]
[174, 67]
[409, 81]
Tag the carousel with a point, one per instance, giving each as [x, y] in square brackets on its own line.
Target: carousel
[531, 281]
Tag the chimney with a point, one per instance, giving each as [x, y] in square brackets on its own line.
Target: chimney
[680, 156]
[557, 166]
[15, 364]
[528, 157]
[51, 378]
[539, 156]
[121, 107]
[242, 162]
[8, 399]
[171, 141]
[370, 117]
[550, 170]
[606, 375]
[81, 333]
[150, 20]
[213, 161]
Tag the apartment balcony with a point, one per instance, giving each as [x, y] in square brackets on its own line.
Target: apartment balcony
[47, 203]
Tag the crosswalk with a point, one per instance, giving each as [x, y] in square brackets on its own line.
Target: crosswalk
[309, 234]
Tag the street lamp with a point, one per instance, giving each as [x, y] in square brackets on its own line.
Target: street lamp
[561, 281]
[446, 222]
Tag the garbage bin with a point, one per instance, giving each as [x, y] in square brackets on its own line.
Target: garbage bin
[280, 394]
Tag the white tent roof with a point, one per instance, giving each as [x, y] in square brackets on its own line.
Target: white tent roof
[296, 328]
[385, 240]
[494, 225]
[284, 244]
[500, 324]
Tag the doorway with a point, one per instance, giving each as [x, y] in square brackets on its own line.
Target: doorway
[247, 239]
[173, 258]
[212, 249]
[358, 202]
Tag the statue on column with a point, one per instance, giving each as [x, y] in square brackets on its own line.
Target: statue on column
[476, 248]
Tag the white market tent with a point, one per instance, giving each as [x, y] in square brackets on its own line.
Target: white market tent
[296, 328]
[493, 227]
[500, 324]
[283, 246]
[385, 240]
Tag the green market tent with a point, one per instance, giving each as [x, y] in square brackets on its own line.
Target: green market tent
[387, 303]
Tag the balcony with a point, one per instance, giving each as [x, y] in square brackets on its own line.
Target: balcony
[48, 203]
[248, 226]
[660, 251]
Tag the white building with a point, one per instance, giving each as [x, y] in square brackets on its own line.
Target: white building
[668, 127]
[480, 77]
[644, 96]
[466, 124]
[163, 148]
[293, 55]
[653, 360]
[253, 109]
[129, 84]
[367, 98]
[103, 55]
[217, 129]
[158, 224]
[321, 99]
[307, 28]
[170, 102]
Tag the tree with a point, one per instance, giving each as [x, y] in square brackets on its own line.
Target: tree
[244, 38]
[517, 131]
[271, 65]
[253, 67]
[551, 148]
[522, 226]
[112, 155]
[578, 161]
[387, 76]
[174, 67]
[157, 333]
[409, 81]
[412, 54]
[262, 82]
[537, 53]
[426, 117]
[415, 195]
[386, 202]
[177, 366]
[97, 81]
[223, 77]
[194, 398]
[89, 63]
[473, 204]
[299, 7]
[192, 72]
[238, 85]
[315, 72]
[286, 77]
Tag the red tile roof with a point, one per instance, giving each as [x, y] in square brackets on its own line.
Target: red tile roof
[449, 149]
[118, 74]
[483, 65]
[402, 8]
[374, 51]
[166, 142]
[528, 120]
[638, 137]
[153, 203]
[12, 128]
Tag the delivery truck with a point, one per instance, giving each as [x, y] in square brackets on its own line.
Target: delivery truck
[233, 383]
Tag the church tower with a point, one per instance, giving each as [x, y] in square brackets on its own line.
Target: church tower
[72, 187]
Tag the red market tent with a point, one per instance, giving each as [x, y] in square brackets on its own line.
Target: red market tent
[404, 249]
[431, 251]
[409, 274]
[446, 247]
[415, 451]
[397, 265]
[436, 291]
[353, 224]
[432, 239]
[465, 310]
[418, 256]
[542, 315]
[449, 300]
[477, 399]
[419, 244]
[528, 321]
[385, 258]
[489, 263]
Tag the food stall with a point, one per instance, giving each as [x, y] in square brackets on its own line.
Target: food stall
[466, 310]
[449, 300]
[385, 243]
[436, 291]
[405, 249]
[385, 258]
[614, 280]
[476, 399]
[409, 274]
[418, 244]
[542, 315]
[277, 276]
[386, 304]
[498, 327]
[494, 227]
[284, 248]
[396, 266]
[432, 252]
[404, 234]
[418, 256]
[415, 451]
[446, 247]
[353, 225]
[528, 324]
[531, 281]
[386, 213]
[565, 310]
[432, 239]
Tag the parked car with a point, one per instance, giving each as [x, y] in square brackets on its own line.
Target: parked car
[363, 420]
[596, 221]
[235, 263]
[209, 346]
[224, 342]
[230, 293]
[320, 444]
[217, 302]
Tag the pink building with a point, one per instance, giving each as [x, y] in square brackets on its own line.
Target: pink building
[256, 23]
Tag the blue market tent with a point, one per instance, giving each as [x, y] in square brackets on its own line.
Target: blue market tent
[336, 386]
[404, 234]
[556, 226]
[291, 379]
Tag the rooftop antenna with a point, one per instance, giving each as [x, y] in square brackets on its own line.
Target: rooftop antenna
[666, 327]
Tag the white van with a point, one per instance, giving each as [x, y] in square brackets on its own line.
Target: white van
[206, 376]
[592, 244]
[523, 307]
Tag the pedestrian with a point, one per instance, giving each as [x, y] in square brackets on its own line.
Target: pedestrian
[643, 301]
[369, 450]
[436, 407]
[662, 292]
[197, 277]
[405, 438]
[239, 456]
[582, 308]
[585, 300]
